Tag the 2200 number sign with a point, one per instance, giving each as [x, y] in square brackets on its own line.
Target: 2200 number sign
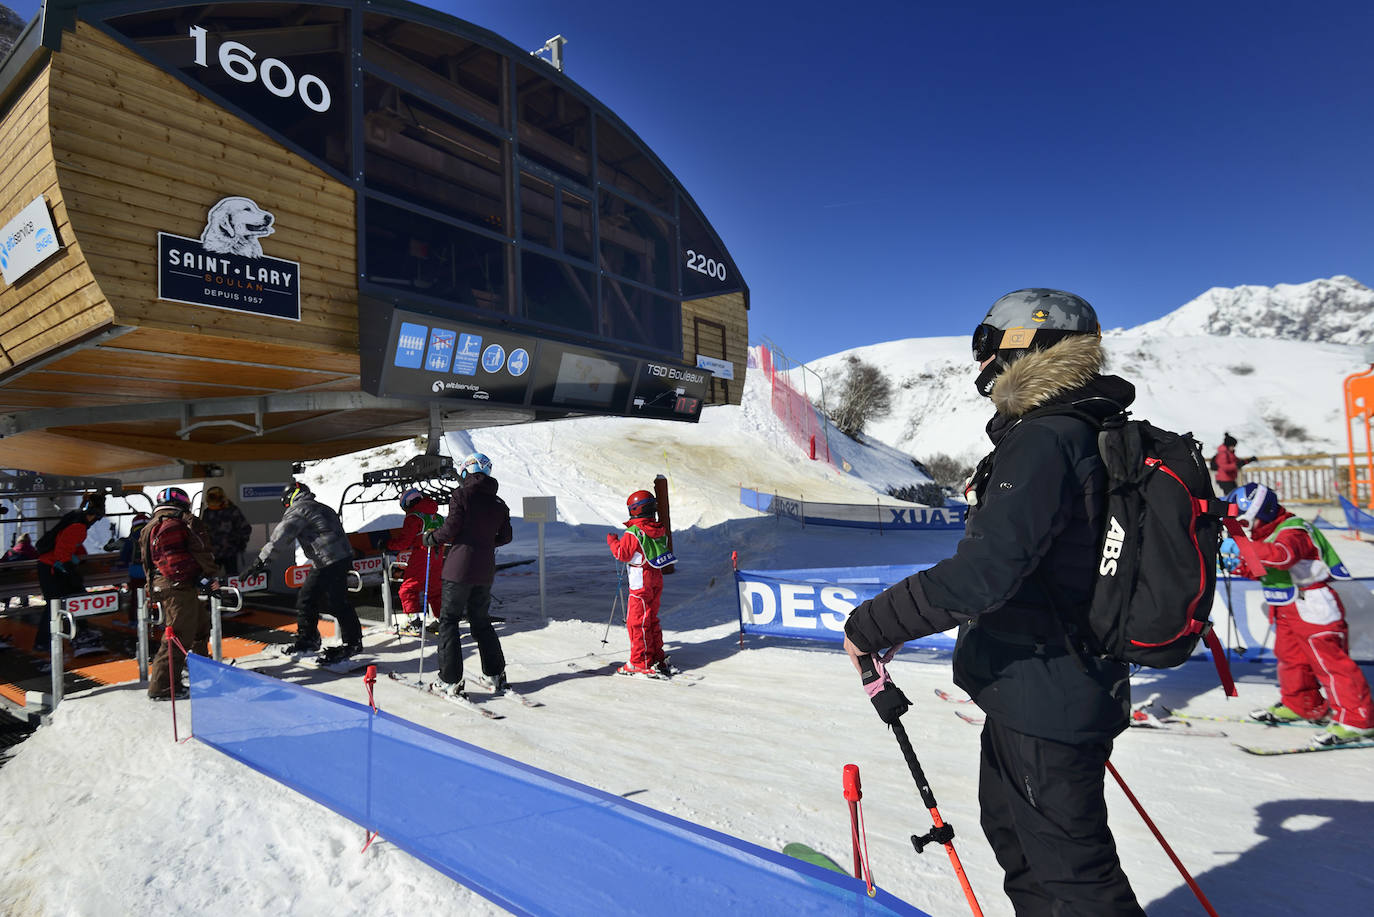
[704, 265]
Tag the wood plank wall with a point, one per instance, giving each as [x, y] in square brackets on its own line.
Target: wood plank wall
[138, 152]
[729, 310]
[59, 300]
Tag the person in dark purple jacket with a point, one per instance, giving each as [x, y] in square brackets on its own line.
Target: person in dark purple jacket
[478, 523]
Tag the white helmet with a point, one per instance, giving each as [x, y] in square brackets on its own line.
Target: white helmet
[476, 462]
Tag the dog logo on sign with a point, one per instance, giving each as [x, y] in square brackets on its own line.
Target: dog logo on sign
[233, 227]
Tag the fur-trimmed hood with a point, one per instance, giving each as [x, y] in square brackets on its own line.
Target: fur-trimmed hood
[1043, 377]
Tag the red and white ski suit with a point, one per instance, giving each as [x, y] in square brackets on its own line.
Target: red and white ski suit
[408, 539]
[646, 588]
[1311, 637]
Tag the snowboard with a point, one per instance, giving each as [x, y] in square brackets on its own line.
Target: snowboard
[814, 857]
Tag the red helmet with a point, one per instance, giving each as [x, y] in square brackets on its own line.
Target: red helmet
[641, 504]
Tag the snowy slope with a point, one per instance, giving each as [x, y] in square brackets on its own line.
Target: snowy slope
[1276, 395]
[109, 817]
[592, 464]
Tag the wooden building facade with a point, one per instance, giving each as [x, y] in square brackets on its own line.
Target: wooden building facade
[248, 198]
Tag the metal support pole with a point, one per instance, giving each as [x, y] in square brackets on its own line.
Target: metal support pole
[55, 650]
[388, 611]
[216, 629]
[142, 635]
[543, 617]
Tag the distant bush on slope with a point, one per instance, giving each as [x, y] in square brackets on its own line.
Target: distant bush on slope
[863, 394]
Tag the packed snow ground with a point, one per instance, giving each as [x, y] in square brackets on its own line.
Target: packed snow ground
[108, 816]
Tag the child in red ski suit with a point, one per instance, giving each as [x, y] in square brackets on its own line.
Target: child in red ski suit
[1310, 631]
[418, 507]
[646, 587]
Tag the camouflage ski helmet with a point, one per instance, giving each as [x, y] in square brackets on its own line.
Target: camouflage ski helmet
[1027, 320]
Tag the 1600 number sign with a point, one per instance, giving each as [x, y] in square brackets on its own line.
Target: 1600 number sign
[236, 59]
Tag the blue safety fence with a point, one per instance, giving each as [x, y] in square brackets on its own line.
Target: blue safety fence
[812, 603]
[882, 517]
[531, 841]
[1358, 519]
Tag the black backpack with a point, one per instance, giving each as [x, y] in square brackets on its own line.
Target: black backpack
[48, 540]
[1157, 559]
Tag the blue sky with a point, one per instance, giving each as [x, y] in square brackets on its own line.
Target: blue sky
[886, 170]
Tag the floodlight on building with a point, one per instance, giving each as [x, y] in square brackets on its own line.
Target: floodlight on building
[554, 46]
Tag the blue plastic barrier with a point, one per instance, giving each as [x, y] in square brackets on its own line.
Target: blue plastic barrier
[880, 517]
[531, 841]
[1358, 519]
[813, 603]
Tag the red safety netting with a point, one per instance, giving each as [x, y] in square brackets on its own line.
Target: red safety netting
[803, 422]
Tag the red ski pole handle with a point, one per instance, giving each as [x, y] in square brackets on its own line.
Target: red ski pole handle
[852, 791]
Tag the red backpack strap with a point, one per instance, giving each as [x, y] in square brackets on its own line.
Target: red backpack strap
[1209, 636]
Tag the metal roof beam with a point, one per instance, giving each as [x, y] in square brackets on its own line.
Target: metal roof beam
[188, 411]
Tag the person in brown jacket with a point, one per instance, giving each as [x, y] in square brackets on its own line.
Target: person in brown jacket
[478, 523]
[178, 560]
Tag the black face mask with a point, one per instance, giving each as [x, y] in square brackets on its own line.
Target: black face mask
[988, 377]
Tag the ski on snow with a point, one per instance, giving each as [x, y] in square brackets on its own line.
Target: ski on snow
[945, 695]
[1139, 720]
[484, 683]
[1302, 749]
[1301, 724]
[680, 677]
[425, 687]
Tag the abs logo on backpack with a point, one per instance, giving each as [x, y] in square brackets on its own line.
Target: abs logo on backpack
[1111, 547]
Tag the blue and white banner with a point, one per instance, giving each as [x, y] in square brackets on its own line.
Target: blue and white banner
[883, 517]
[813, 604]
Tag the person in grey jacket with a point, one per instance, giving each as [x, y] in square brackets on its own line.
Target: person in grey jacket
[1019, 586]
[320, 534]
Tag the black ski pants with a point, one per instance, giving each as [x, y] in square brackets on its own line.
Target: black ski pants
[1044, 813]
[54, 585]
[327, 586]
[472, 601]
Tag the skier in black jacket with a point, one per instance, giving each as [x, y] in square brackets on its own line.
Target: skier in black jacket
[1019, 578]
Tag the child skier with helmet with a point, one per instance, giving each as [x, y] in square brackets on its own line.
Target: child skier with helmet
[1310, 632]
[643, 548]
[176, 550]
[423, 583]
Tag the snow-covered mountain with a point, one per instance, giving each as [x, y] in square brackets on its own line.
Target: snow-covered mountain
[1264, 364]
[11, 24]
[1336, 310]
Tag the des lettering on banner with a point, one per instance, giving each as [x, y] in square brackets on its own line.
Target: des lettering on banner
[813, 603]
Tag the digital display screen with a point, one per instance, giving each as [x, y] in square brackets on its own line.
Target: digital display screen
[586, 380]
[407, 354]
[669, 391]
[575, 377]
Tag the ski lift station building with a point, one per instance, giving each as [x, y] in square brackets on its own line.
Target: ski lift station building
[242, 234]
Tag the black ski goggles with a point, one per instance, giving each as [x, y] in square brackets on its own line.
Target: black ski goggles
[985, 341]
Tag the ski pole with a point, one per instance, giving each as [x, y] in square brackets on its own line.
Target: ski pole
[619, 572]
[890, 703]
[1206, 905]
[939, 833]
[1231, 616]
[852, 795]
[424, 610]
